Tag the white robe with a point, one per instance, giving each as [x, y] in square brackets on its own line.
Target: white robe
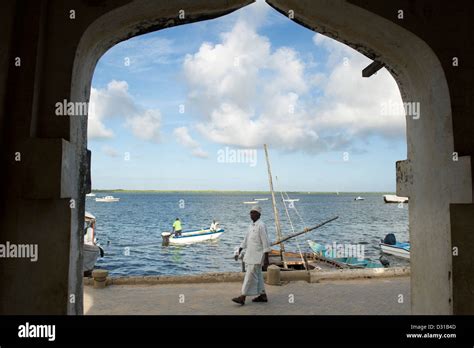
[255, 244]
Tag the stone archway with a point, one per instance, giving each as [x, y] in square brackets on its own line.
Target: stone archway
[116, 25]
[429, 177]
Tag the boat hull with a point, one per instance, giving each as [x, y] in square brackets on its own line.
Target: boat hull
[342, 262]
[394, 199]
[91, 254]
[195, 236]
[396, 250]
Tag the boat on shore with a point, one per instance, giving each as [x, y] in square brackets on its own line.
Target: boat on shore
[191, 236]
[394, 199]
[107, 199]
[341, 262]
[390, 246]
[287, 260]
[92, 249]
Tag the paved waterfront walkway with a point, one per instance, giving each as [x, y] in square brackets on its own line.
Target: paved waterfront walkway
[365, 296]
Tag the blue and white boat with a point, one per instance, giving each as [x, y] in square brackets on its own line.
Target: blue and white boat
[389, 245]
[342, 262]
[191, 236]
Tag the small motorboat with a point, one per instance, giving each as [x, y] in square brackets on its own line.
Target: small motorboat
[191, 236]
[342, 262]
[359, 198]
[90, 195]
[107, 199]
[291, 200]
[389, 245]
[92, 249]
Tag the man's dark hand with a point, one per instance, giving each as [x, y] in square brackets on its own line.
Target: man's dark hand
[266, 262]
[236, 257]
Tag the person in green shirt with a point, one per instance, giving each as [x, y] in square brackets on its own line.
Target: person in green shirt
[177, 227]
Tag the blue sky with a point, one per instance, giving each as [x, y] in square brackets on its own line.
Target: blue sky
[164, 106]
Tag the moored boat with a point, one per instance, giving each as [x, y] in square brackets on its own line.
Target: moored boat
[394, 199]
[107, 199]
[342, 262]
[389, 245]
[92, 249]
[191, 236]
[359, 198]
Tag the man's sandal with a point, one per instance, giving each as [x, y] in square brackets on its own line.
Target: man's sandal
[260, 298]
[239, 300]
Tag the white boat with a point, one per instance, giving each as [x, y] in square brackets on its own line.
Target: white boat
[191, 236]
[359, 198]
[250, 202]
[90, 195]
[400, 249]
[291, 200]
[92, 249]
[107, 199]
[394, 199]
[389, 245]
[261, 199]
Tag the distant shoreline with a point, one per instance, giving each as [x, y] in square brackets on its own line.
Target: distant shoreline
[236, 192]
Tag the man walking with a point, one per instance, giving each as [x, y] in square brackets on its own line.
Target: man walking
[256, 247]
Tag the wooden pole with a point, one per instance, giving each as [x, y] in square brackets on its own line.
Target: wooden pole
[275, 210]
[306, 230]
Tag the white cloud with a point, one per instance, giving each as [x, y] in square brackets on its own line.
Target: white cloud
[184, 138]
[249, 94]
[110, 151]
[146, 126]
[115, 101]
[143, 53]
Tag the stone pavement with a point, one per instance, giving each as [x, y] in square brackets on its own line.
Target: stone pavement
[360, 297]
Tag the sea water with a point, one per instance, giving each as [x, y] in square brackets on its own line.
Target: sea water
[130, 230]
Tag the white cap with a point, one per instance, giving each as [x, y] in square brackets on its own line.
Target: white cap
[257, 208]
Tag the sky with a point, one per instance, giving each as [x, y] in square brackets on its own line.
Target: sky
[190, 107]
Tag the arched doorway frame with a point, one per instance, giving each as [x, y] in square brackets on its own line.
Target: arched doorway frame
[429, 176]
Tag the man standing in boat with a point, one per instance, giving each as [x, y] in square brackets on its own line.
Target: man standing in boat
[177, 227]
[256, 247]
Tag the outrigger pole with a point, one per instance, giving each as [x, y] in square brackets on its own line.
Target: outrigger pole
[275, 211]
[306, 230]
